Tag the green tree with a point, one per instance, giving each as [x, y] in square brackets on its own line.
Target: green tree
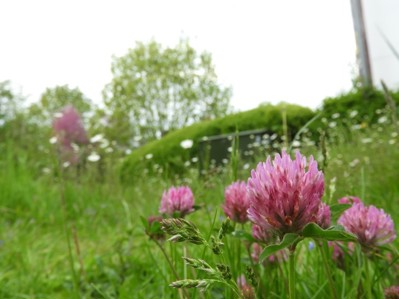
[54, 99]
[10, 102]
[155, 90]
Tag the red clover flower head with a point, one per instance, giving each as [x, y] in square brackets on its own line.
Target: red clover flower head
[177, 200]
[372, 226]
[236, 202]
[285, 194]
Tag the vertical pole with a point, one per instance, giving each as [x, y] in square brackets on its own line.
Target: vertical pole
[362, 44]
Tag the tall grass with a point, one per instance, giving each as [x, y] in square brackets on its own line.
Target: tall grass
[118, 260]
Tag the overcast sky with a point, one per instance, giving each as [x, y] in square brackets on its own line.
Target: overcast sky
[266, 50]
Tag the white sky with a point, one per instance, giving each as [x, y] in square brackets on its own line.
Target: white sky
[266, 50]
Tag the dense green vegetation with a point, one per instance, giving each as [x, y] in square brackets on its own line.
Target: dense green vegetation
[69, 234]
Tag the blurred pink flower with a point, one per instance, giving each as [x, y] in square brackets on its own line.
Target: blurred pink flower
[372, 226]
[349, 200]
[324, 216]
[69, 130]
[177, 200]
[247, 290]
[392, 292]
[236, 202]
[284, 195]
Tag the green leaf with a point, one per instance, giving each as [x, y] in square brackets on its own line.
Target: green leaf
[241, 234]
[288, 240]
[338, 209]
[333, 233]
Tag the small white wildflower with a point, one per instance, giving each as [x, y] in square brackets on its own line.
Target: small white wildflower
[229, 149]
[137, 138]
[104, 143]
[194, 160]
[53, 140]
[296, 143]
[382, 119]
[356, 127]
[353, 113]
[332, 124]
[57, 114]
[128, 151]
[354, 163]
[96, 138]
[335, 115]
[66, 164]
[46, 170]
[225, 161]
[109, 150]
[392, 141]
[187, 163]
[93, 157]
[246, 166]
[186, 144]
[75, 147]
[274, 136]
[367, 140]
[149, 156]
[394, 134]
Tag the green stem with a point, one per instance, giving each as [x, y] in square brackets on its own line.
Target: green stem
[367, 285]
[323, 250]
[291, 275]
[172, 268]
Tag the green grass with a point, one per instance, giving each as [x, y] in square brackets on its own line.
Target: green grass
[117, 259]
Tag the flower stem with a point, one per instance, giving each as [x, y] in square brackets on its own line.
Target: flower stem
[291, 275]
[367, 285]
[324, 249]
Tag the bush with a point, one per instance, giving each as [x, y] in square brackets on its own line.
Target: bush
[168, 154]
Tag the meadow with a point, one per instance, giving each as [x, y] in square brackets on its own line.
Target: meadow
[84, 234]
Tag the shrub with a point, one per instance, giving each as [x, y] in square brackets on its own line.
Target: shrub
[168, 154]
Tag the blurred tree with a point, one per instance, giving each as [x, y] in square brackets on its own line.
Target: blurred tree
[53, 100]
[155, 90]
[10, 102]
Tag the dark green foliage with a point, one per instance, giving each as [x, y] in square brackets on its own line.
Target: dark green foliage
[364, 101]
[168, 154]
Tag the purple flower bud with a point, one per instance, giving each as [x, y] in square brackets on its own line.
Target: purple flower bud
[324, 216]
[177, 200]
[284, 195]
[349, 200]
[236, 202]
[247, 290]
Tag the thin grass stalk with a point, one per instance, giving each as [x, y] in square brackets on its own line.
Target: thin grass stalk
[291, 275]
[324, 250]
[367, 284]
[76, 284]
[172, 267]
